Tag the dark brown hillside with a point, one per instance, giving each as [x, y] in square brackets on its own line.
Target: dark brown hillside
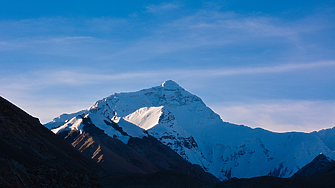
[32, 156]
[140, 155]
[164, 158]
[110, 153]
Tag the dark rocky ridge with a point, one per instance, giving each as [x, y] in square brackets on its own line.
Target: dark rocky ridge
[313, 168]
[32, 156]
[320, 172]
[140, 155]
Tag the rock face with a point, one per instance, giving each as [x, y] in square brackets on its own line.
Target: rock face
[143, 154]
[32, 156]
[182, 121]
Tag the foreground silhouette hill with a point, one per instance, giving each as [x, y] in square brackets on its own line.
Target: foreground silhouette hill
[32, 156]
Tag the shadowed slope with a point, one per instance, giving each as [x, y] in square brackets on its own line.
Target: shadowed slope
[313, 168]
[140, 155]
[32, 155]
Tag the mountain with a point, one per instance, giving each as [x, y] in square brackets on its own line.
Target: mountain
[32, 156]
[327, 136]
[183, 122]
[126, 149]
[58, 121]
[320, 172]
[319, 163]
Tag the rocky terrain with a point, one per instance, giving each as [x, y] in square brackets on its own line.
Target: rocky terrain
[139, 155]
[32, 156]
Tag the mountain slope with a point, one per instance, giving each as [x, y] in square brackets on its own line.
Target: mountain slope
[58, 121]
[318, 173]
[183, 122]
[327, 136]
[32, 156]
[123, 149]
[313, 168]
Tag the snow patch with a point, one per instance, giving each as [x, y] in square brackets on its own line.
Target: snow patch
[74, 124]
[99, 121]
[145, 117]
[60, 120]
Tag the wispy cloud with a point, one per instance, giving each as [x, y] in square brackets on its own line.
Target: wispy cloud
[38, 59]
[80, 76]
[271, 69]
[253, 24]
[280, 115]
[146, 41]
[162, 7]
[65, 39]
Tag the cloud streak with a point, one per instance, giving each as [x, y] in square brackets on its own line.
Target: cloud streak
[162, 7]
[38, 79]
[272, 69]
[202, 29]
[280, 115]
[90, 58]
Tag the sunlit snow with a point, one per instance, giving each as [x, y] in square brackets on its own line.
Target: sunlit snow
[183, 122]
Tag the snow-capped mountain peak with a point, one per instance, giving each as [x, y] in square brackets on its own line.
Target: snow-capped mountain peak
[183, 122]
[171, 84]
[169, 94]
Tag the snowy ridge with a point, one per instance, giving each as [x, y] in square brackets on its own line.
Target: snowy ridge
[58, 121]
[146, 118]
[327, 136]
[161, 124]
[104, 124]
[183, 122]
[74, 124]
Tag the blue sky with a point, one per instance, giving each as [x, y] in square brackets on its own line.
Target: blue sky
[267, 64]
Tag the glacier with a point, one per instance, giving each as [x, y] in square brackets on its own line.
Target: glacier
[183, 122]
